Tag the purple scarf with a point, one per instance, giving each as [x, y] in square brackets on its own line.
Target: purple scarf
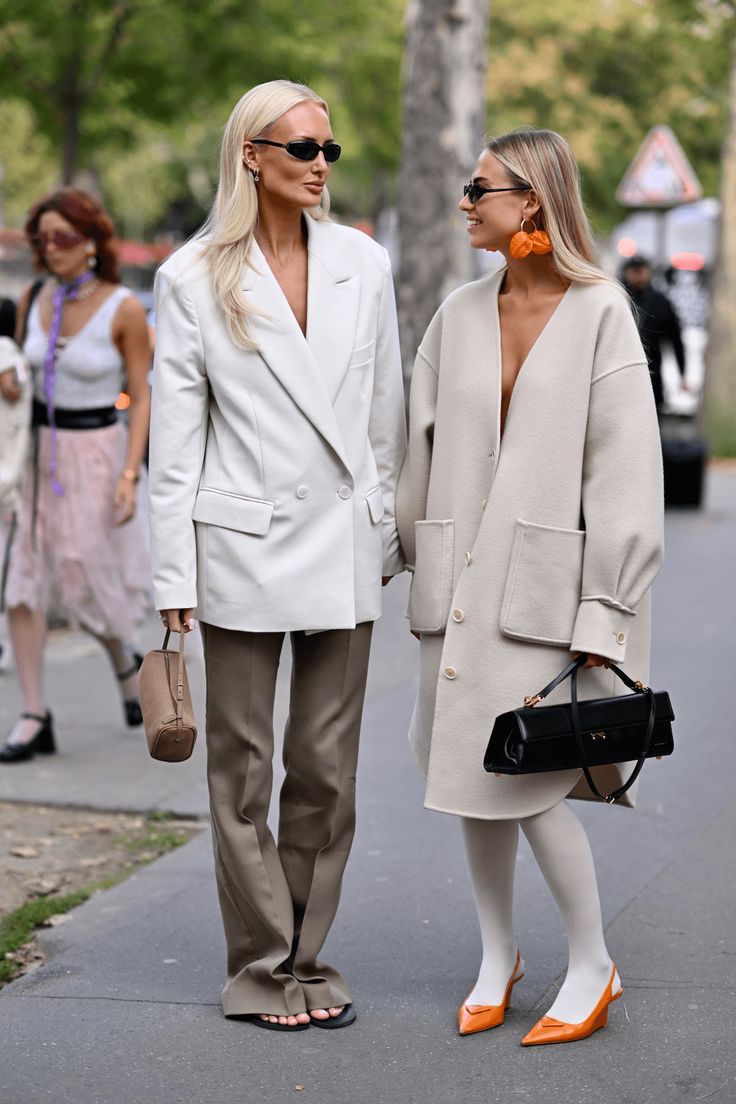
[62, 293]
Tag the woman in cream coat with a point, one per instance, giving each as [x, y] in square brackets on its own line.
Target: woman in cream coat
[533, 527]
[277, 438]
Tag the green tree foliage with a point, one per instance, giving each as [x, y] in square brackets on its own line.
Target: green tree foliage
[110, 81]
[603, 72]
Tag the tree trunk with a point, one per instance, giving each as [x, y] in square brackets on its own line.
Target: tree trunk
[720, 392]
[443, 126]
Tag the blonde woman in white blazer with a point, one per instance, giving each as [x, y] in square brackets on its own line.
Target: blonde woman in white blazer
[530, 508]
[276, 440]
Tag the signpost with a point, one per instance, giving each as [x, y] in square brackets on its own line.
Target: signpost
[660, 177]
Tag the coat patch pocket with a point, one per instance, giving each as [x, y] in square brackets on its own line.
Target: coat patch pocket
[233, 511]
[432, 582]
[543, 584]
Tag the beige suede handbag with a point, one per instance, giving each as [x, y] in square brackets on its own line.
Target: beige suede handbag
[166, 703]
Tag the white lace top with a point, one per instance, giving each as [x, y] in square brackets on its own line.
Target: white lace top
[89, 365]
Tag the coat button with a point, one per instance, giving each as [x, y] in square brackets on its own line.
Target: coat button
[468, 558]
[302, 491]
[620, 638]
[457, 615]
[450, 673]
[345, 492]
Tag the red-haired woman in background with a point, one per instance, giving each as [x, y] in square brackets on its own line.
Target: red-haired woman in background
[80, 540]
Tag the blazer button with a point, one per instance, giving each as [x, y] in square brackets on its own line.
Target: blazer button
[303, 491]
[468, 558]
[457, 615]
[620, 638]
[450, 673]
[345, 492]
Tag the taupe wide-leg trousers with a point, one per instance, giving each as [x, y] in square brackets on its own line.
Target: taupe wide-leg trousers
[278, 901]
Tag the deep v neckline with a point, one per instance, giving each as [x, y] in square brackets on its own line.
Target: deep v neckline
[532, 349]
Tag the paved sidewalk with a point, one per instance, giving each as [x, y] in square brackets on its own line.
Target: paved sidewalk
[127, 1008]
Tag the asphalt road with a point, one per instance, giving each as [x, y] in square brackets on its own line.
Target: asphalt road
[127, 1008]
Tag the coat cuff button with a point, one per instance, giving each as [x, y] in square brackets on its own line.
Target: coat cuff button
[450, 673]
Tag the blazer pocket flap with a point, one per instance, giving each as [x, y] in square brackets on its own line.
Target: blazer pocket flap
[362, 354]
[543, 584]
[374, 499]
[233, 511]
[431, 591]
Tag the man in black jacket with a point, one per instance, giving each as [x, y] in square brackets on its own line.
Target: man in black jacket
[657, 322]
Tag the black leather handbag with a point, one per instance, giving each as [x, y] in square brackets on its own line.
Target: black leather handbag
[593, 733]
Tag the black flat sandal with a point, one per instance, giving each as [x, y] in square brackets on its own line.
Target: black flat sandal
[132, 706]
[43, 742]
[343, 1019]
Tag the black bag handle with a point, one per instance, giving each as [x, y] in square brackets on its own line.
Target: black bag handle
[615, 794]
[637, 687]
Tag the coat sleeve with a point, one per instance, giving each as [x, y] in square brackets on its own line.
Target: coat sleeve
[387, 425]
[411, 498]
[622, 490]
[179, 417]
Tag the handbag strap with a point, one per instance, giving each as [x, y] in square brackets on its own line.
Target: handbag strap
[615, 794]
[179, 701]
[574, 666]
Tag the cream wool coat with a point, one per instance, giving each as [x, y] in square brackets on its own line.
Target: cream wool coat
[273, 472]
[526, 549]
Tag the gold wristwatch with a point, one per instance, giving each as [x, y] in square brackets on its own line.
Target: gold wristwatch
[129, 473]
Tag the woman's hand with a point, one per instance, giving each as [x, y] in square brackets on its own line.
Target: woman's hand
[10, 388]
[124, 499]
[593, 661]
[174, 619]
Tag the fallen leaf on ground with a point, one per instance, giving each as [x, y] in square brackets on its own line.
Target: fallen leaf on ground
[96, 860]
[41, 887]
[24, 852]
[55, 921]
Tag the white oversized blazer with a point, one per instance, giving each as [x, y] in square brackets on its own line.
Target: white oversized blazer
[273, 472]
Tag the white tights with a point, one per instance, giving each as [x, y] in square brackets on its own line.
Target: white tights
[561, 848]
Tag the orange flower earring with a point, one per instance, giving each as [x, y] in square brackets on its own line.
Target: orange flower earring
[523, 243]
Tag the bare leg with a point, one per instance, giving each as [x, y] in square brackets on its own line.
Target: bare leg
[121, 656]
[562, 850]
[491, 848]
[28, 633]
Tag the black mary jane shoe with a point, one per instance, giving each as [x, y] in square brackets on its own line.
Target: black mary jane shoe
[255, 1018]
[132, 706]
[43, 742]
[343, 1019]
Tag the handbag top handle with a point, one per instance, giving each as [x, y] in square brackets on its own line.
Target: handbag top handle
[179, 676]
[575, 665]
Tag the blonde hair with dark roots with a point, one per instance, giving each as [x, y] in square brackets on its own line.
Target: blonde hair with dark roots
[227, 235]
[543, 160]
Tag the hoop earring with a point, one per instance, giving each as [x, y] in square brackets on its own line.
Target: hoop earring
[523, 243]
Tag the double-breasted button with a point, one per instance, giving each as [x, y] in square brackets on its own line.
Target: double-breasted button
[458, 615]
[450, 673]
[345, 491]
[620, 638]
[302, 491]
[468, 558]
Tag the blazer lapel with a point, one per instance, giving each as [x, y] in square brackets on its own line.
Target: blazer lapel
[283, 347]
[332, 312]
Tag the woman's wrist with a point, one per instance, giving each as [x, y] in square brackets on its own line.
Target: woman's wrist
[131, 474]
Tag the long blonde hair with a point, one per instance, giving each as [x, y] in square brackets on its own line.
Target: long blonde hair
[543, 160]
[227, 235]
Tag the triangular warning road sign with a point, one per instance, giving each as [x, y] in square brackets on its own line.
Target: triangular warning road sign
[660, 175]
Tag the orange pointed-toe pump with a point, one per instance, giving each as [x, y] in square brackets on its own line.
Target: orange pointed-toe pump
[482, 1017]
[550, 1030]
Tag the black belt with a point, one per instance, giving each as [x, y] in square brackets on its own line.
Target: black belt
[96, 418]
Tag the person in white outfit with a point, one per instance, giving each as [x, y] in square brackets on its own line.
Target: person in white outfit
[277, 435]
[530, 509]
[80, 541]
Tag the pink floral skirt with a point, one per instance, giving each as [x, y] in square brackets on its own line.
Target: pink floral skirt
[95, 572]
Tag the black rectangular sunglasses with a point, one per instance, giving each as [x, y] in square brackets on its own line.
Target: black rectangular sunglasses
[304, 149]
[474, 191]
